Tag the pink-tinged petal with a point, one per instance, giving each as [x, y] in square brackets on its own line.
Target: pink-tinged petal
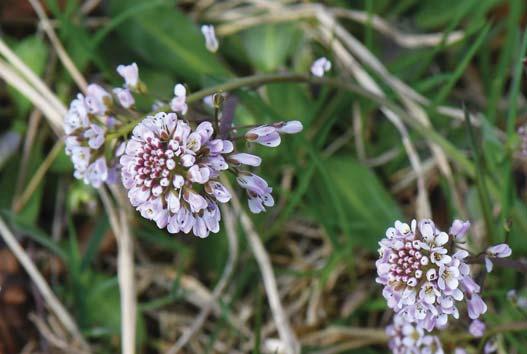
[255, 205]
[254, 134]
[246, 159]
[200, 228]
[205, 130]
[182, 131]
[162, 219]
[211, 42]
[320, 67]
[125, 97]
[219, 191]
[188, 160]
[130, 74]
[488, 265]
[271, 140]
[173, 226]
[199, 174]
[441, 239]
[173, 202]
[291, 127]
[459, 228]
[180, 90]
[477, 328]
[228, 147]
[499, 251]
[216, 146]
[268, 200]
[476, 307]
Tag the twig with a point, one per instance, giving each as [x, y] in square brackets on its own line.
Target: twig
[304, 12]
[287, 335]
[42, 103]
[349, 345]
[127, 285]
[89, 6]
[408, 40]
[125, 266]
[357, 129]
[55, 305]
[32, 78]
[59, 48]
[230, 229]
[519, 265]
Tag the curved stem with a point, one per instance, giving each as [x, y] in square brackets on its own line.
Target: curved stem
[508, 327]
[516, 264]
[256, 80]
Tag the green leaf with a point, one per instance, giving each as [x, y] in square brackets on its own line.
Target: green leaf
[268, 46]
[167, 39]
[368, 206]
[290, 101]
[34, 53]
[103, 315]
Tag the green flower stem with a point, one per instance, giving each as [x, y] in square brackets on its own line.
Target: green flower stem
[508, 327]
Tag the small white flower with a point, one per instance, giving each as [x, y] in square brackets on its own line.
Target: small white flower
[130, 74]
[179, 102]
[124, 96]
[211, 42]
[320, 67]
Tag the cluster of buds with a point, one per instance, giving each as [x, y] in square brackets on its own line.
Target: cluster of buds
[170, 166]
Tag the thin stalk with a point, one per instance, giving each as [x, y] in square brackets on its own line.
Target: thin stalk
[508, 188]
[257, 80]
[38, 176]
[480, 179]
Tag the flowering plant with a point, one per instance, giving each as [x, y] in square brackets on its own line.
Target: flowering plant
[171, 166]
[426, 274]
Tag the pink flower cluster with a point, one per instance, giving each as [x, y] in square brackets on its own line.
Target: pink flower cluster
[425, 276]
[87, 123]
[172, 171]
[170, 166]
[85, 135]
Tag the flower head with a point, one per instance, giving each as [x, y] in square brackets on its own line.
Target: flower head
[423, 276]
[320, 67]
[172, 170]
